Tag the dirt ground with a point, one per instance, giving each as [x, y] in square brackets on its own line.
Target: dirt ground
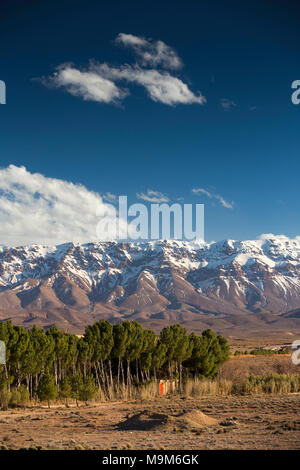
[256, 422]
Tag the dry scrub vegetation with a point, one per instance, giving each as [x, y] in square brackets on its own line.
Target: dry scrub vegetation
[246, 406]
[238, 376]
[237, 370]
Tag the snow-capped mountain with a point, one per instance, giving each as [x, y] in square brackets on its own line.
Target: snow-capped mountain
[232, 282]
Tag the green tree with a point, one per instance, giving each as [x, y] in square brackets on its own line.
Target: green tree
[209, 352]
[9, 335]
[66, 389]
[120, 334]
[60, 351]
[76, 383]
[47, 389]
[17, 351]
[178, 347]
[38, 356]
[158, 358]
[87, 389]
[134, 346]
[100, 338]
[150, 341]
[4, 389]
[85, 351]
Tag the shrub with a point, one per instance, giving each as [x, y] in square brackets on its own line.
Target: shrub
[4, 391]
[272, 383]
[66, 389]
[24, 395]
[88, 389]
[47, 390]
[4, 397]
[15, 397]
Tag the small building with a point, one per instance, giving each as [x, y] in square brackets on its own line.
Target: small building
[167, 387]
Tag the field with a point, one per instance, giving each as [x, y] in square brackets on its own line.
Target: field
[252, 422]
[209, 419]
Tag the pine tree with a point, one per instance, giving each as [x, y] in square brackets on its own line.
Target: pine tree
[178, 348]
[76, 383]
[47, 389]
[43, 363]
[208, 353]
[87, 389]
[134, 346]
[150, 342]
[120, 335]
[159, 358]
[66, 389]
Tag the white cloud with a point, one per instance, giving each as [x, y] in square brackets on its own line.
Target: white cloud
[97, 83]
[220, 199]
[161, 86]
[100, 82]
[153, 53]
[227, 104]
[88, 85]
[153, 196]
[37, 209]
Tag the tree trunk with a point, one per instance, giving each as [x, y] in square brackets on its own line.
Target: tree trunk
[97, 377]
[55, 372]
[123, 375]
[137, 370]
[31, 389]
[110, 373]
[128, 374]
[180, 377]
[119, 366]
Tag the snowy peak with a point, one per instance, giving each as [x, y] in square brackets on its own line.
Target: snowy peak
[123, 280]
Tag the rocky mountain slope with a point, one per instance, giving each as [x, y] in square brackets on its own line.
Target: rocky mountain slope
[228, 285]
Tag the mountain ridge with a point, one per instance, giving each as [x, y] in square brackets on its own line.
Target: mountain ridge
[228, 285]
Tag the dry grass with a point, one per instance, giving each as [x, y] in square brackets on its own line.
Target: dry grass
[278, 384]
[238, 376]
[237, 370]
[148, 391]
[145, 391]
[253, 375]
[206, 387]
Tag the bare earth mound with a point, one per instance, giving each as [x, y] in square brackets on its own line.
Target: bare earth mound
[147, 420]
[195, 419]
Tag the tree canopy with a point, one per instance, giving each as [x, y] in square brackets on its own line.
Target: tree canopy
[106, 357]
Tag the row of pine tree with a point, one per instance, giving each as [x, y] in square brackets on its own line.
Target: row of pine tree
[44, 364]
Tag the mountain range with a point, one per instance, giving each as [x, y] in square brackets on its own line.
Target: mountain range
[238, 288]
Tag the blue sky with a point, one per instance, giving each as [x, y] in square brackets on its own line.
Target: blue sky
[246, 53]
